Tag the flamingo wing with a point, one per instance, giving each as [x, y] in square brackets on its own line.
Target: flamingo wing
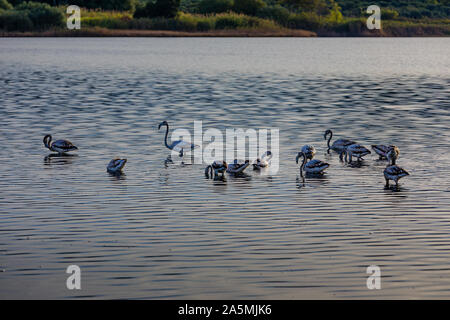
[182, 145]
[316, 166]
[63, 144]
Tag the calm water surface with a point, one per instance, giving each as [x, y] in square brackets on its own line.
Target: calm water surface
[166, 232]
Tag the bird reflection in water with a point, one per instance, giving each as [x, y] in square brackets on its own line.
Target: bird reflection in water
[59, 159]
[117, 176]
[313, 180]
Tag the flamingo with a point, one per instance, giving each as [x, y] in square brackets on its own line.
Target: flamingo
[354, 150]
[116, 165]
[263, 162]
[237, 168]
[60, 146]
[215, 168]
[180, 146]
[382, 150]
[313, 167]
[392, 171]
[337, 145]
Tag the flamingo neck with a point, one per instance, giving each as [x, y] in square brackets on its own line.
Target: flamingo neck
[165, 138]
[303, 165]
[393, 161]
[47, 141]
[329, 139]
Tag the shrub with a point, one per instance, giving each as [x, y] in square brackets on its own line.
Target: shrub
[205, 25]
[414, 13]
[106, 22]
[249, 7]
[15, 21]
[353, 26]
[5, 5]
[335, 15]
[119, 5]
[186, 22]
[227, 22]
[140, 11]
[42, 15]
[276, 13]
[305, 20]
[389, 14]
[160, 8]
[215, 6]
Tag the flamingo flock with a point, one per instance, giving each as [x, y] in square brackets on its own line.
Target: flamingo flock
[347, 150]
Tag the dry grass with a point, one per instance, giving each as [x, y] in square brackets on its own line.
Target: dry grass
[103, 32]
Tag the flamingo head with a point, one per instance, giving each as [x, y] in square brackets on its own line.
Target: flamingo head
[164, 123]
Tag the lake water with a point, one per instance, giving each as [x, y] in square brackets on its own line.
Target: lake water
[162, 232]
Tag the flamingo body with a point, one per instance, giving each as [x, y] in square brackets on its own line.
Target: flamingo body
[338, 145]
[263, 162]
[382, 150]
[356, 150]
[215, 168]
[116, 165]
[392, 171]
[180, 146]
[237, 168]
[60, 146]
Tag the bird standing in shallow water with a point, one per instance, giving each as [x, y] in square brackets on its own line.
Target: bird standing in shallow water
[60, 146]
[213, 170]
[263, 162]
[337, 145]
[180, 146]
[237, 168]
[312, 167]
[392, 171]
[382, 150]
[116, 165]
[354, 150]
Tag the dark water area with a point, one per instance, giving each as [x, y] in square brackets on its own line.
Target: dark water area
[166, 232]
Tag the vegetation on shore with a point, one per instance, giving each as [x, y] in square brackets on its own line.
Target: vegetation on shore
[226, 17]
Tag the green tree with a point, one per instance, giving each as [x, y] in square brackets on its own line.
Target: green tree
[160, 8]
[215, 6]
[42, 15]
[120, 5]
[277, 13]
[13, 20]
[388, 13]
[303, 5]
[249, 7]
[5, 5]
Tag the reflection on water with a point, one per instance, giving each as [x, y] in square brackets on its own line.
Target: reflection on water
[117, 176]
[59, 159]
[161, 230]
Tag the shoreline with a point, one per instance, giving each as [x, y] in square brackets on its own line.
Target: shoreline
[103, 32]
[228, 33]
